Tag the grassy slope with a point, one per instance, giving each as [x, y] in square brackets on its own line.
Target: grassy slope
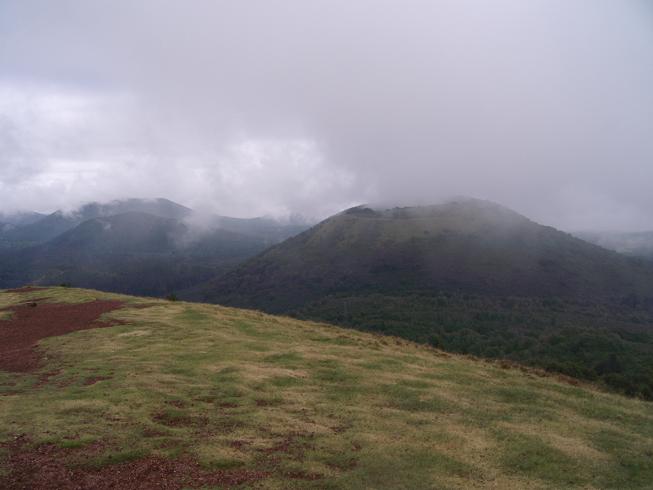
[363, 411]
[469, 277]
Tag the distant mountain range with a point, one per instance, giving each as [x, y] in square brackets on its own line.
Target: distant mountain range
[39, 229]
[10, 221]
[467, 275]
[150, 247]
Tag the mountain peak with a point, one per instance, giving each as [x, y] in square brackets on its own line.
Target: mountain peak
[465, 245]
[462, 207]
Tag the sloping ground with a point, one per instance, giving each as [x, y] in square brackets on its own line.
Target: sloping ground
[180, 395]
[636, 244]
[469, 277]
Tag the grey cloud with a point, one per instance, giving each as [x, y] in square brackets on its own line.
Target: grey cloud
[256, 107]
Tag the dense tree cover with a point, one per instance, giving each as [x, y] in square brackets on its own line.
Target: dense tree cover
[610, 343]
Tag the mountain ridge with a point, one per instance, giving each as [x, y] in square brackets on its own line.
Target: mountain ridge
[463, 246]
[154, 247]
[53, 224]
[634, 244]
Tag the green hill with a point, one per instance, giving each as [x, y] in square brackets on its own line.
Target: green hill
[136, 246]
[135, 253]
[468, 276]
[467, 246]
[173, 395]
[37, 230]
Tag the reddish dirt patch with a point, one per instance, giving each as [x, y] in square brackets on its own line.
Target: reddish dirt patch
[142, 306]
[293, 443]
[152, 433]
[172, 420]
[50, 467]
[263, 403]
[239, 444]
[177, 403]
[339, 429]
[31, 322]
[24, 289]
[95, 379]
[227, 405]
[302, 475]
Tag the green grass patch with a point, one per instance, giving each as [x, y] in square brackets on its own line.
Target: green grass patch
[286, 359]
[113, 458]
[401, 397]
[299, 400]
[530, 456]
[331, 371]
[285, 381]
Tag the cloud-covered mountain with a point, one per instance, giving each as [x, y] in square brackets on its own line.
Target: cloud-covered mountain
[40, 230]
[152, 247]
[635, 244]
[467, 246]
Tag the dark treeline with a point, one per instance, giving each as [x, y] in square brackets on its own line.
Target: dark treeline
[608, 343]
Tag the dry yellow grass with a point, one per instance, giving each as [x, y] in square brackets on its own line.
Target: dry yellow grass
[240, 389]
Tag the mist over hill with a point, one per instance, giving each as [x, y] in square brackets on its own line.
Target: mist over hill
[381, 200]
[469, 276]
[43, 228]
[466, 246]
[152, 247]
[18, 219]
[465, 275]
[634, 244]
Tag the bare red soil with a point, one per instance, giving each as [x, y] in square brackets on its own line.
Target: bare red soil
[33, 321]
[50, 467]
[24, 289]
[94, 379]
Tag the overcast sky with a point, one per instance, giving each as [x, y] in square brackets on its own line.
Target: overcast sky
[274, 107]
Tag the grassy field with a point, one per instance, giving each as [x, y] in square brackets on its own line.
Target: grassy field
[312, 406]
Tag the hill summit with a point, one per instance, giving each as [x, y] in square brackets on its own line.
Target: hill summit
[466, 245]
